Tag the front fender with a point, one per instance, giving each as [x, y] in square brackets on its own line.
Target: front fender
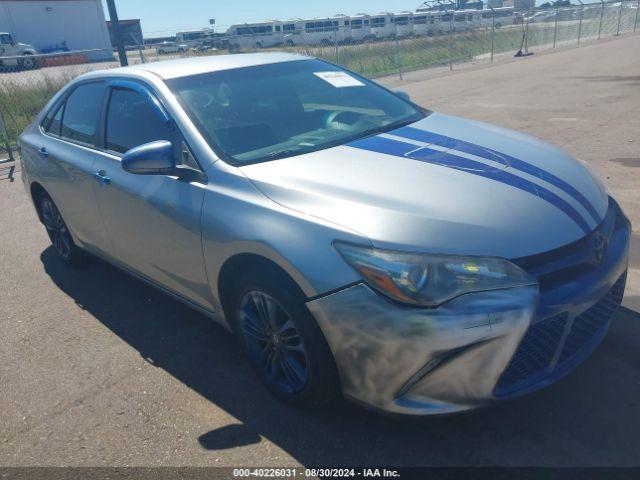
[237, 219]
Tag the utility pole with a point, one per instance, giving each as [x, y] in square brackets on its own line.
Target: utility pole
[115, 25]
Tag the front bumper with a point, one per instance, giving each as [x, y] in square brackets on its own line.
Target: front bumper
[474, 350]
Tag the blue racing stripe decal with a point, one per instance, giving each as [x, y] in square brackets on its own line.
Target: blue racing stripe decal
[489, 154]
[428, 155]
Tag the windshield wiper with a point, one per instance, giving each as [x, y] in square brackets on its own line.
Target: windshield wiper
[285, 152]
[385, 128]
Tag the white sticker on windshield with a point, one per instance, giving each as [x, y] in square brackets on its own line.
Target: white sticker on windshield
[339, 79]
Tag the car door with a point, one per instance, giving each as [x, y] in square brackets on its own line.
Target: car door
[66, 151]
[153, 220]
[7, 49]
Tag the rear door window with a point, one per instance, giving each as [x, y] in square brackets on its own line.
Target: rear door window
[81, 113]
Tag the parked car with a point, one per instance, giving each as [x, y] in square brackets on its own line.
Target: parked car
[16, 54]
[542, 16]
[207, 45]
[354, 242]
[171, 47]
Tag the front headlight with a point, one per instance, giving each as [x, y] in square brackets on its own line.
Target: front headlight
[430, 280]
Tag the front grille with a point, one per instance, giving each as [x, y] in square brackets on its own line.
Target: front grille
[535, 352]
[533, 361]
[587, 325]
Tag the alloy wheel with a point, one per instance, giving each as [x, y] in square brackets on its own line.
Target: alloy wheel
[273, 343]
[56, 229]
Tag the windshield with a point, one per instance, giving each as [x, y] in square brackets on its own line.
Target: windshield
[279, 110]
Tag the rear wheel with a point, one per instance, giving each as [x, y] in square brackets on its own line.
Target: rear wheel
[282, 341]
[27, 62]
[59, 232]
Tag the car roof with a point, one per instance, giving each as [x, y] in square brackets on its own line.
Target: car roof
[183, 67]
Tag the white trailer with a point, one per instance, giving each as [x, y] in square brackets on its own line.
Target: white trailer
[293, 32]
[359, 27]
[194, 37]
[403, 24]
[382, 25]
[462, 20]
[502, 15]
[474, 18]
[427, 23]
[265, 34]
[323, 31]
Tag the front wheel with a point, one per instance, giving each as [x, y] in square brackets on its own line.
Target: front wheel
[27, 62]
[59, 232]
[282, 341]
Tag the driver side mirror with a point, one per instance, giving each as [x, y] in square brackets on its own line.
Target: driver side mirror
[153, 158]
[157, 158]
[403, 95]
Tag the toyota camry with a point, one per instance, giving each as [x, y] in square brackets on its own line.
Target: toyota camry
[357, 244]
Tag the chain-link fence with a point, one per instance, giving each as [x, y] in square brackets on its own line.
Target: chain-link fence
[374, 46]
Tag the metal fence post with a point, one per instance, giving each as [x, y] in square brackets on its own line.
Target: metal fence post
[335, 42]
[635, 22]
[601, 15]
[139, 48]
[580, 24]
[450, 44]
[526, 33]
[115, 25]
[555, 28]
[5, 139]
[619, 17]
[493, 30]
[398, 57]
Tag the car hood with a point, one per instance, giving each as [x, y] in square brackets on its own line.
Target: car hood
[443, 185]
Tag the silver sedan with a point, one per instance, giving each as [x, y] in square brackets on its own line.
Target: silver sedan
[355, 243]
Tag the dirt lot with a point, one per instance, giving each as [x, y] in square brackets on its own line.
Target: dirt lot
[96, 368]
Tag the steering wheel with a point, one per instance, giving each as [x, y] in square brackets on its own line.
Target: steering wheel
[348, 121]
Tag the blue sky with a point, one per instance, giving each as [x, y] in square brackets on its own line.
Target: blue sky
[168, 16]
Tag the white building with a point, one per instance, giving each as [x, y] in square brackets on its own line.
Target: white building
[51, 25]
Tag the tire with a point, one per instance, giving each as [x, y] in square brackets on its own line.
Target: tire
[58, 232]
[281, 340]
[27, 62]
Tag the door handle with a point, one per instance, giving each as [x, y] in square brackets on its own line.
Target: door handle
[101, 176]
[43, 152]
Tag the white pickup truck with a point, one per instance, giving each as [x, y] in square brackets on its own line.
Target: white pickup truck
[14, 54]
